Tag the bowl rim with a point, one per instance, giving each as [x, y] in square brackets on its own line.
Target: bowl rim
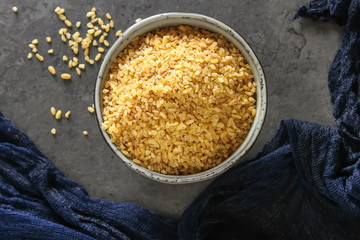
[232, 159]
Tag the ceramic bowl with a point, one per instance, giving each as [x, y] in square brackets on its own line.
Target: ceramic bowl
[203, 22]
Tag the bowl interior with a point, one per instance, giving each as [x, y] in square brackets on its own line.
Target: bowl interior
[204, 22]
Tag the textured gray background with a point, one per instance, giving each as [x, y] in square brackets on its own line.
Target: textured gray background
[295, 55]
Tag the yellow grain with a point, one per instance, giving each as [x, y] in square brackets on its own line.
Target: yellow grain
[107, 27]
[138, 20]
[76, 51]
[61, 11]
[100, 49]
[53, 111]
[15, 9]
[86, 52]
[108, 16]
[51, 51]
[91, 109]
[52, 70]
[58, 114]
[68, 23]
[78, 71]
[118, 33]
[97, 57]
[67, 114]
[35, 41]
[100, 21]
[65, 58]
[53, 131]
[29, 56]
[82, 66]
[66, 76]
[184, 117]
[85, 133]
[48, 39]
[78, 24]
[90, 14]
[106, 43]
[39, 57]
[62, 17]
[97, 33]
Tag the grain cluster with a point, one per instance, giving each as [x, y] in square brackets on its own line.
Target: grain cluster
[179, 100]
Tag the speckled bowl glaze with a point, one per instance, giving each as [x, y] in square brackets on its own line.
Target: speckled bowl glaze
[204, 22]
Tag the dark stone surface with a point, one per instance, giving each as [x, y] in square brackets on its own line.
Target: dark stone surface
[295, 55]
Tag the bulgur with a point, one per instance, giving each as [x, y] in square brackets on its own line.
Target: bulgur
[179, 100]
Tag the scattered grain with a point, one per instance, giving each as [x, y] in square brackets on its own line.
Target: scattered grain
[118, 33]
[58, 114]
[85, 133]
[97, 33]
[90, 25]
[68, 23]
[101, 39]
[90, 14]
[78, 71]
[62, 17]
[97, 57]
[66, 76]
[53, 111]
[52, 70]
[15, 9]
[53, 131]
[100, 21]
[91, 109]
[63, 38]
[29, 56]
[39, 57]
[67, 114]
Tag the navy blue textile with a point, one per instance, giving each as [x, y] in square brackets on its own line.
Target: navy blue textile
[304, 184]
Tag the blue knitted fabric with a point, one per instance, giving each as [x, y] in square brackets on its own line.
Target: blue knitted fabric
[304, 184]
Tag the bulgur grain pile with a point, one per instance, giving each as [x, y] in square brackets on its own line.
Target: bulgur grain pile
[179, 100]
